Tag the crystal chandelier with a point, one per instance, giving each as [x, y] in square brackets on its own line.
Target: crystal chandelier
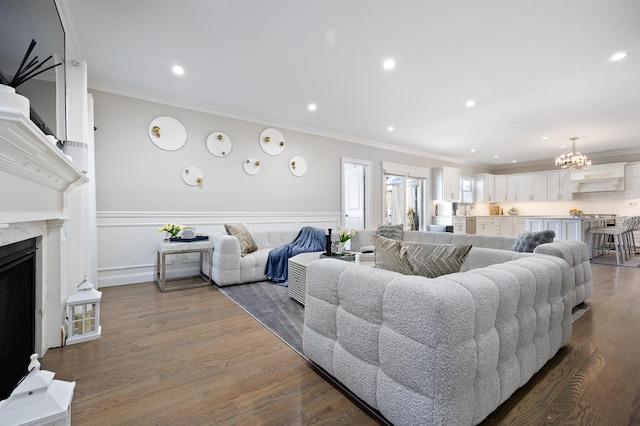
[573, 159]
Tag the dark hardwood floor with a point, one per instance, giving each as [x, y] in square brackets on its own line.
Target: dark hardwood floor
[194, 357]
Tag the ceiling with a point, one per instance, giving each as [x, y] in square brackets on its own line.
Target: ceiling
[535, 69]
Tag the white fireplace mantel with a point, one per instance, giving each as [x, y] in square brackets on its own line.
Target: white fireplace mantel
[26, 152]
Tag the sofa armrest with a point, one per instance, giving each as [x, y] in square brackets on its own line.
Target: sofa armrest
[226, 252]
[576, 254]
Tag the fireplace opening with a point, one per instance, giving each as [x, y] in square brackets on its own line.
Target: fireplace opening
[17, 312]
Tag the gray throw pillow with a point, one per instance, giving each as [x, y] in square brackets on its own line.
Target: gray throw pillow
[528, 241]
[238, 230]
[388, 255]
[433, 260]
[395, 232]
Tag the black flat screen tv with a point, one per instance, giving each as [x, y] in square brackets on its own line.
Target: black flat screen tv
[22, 21]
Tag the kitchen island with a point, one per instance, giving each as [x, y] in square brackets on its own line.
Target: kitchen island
[566, 227]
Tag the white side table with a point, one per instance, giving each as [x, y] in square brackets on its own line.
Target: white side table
[205, 248]
[298, 274]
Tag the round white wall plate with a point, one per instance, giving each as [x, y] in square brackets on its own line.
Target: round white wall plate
[192, 175]
[219, 144]
[167, 133]
[251, 166]
[297, 166]
[272, 141]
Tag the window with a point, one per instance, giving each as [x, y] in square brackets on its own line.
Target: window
[467, 190]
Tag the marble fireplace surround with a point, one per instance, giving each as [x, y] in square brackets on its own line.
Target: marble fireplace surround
[36, 179]
[49, 310]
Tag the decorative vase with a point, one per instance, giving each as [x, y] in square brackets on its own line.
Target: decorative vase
[339, 248]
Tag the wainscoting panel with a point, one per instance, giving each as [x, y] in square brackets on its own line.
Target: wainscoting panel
[127, 241]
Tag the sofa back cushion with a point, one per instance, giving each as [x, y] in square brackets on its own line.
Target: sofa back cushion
[273, 239]
[414, 258]
[433, 260]
[389, 256]
[393, 232]
[238, 230]
[480, 257]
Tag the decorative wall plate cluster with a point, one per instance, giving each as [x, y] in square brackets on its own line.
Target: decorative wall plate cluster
[167, 133]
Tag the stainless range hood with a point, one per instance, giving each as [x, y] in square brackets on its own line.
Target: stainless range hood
[599, 178]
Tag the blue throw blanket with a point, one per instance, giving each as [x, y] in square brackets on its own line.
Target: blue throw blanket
[309, 239]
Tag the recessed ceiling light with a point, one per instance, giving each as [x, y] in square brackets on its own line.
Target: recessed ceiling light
[514, 161]
[390, 129]
[495, 156]
[544, 138]
[470, 103]
[618, 56]
[473, 150]
[515, 123]
[177, 70]
[563, 146]
[389, 64]
[312, 107]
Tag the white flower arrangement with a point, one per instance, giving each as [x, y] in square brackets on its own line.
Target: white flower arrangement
[345, 234]
[171, 228]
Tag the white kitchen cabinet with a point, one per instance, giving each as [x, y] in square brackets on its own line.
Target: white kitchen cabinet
[559, 185]
[554, 225]
[485, 188]
[572, 229]
[446, 183]
[532, 187]
[512, 188]
[506, 226]
[535, 224]
[523, 191]
[632, 180]
[500, 188]
[519, 225]
[488, 225]
[459, 225]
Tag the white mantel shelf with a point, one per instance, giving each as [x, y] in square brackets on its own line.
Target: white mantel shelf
[26, 152]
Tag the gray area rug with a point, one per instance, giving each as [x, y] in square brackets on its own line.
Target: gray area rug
[271, 305]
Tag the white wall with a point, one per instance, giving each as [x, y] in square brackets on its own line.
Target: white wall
[139, 186]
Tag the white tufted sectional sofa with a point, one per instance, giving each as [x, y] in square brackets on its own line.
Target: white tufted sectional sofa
[438, 351]
[575, 253]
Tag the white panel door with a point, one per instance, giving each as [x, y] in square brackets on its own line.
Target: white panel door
[354, 196]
